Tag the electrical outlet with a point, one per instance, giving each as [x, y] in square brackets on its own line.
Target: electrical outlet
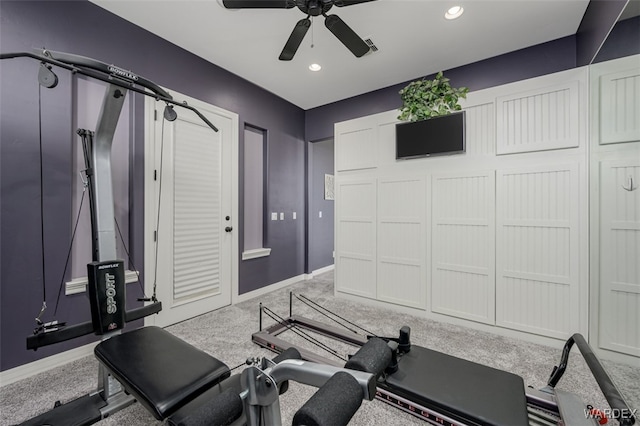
[274, 216]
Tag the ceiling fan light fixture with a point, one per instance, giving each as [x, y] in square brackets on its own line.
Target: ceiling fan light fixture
[315, 67]
[454, 12]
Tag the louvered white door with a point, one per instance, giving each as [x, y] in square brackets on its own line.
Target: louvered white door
[193, 190]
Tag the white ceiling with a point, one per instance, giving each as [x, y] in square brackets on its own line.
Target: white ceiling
[413, 37]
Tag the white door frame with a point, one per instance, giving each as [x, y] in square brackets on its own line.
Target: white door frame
[149, 190]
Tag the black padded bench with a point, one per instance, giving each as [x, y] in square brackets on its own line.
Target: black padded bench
[160, 370]
[463, 390]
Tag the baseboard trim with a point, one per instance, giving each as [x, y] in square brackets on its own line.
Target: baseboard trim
[27, 370]
[271, 287]
[322, 270]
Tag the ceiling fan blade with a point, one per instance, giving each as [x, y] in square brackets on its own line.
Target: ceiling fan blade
[342, 3]
[346, 35]
[298, 33]
[259, 4]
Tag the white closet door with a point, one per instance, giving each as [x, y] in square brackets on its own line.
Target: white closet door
[402, 277]
[463, 245]
[537, 285]
[620, 256]
[355, 237]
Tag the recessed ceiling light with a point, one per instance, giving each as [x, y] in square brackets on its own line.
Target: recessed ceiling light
[315, 67]
[454, 12]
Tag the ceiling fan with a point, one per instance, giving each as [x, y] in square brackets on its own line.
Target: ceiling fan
[337, 26]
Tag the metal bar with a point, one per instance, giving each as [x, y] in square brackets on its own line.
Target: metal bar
[107, 79]
[623, 413]
[67, 333]
[328, 330]
[102, 183]
[314, 374]
[267, 338]
[114, 71]
[278, 345]
[143, 311]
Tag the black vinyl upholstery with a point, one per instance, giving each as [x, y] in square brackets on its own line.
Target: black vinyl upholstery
[462, 389]
[160, 370]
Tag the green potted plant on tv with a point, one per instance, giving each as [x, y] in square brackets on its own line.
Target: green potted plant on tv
[423, 99]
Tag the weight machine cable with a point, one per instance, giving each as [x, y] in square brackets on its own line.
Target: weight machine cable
[301, 333]
[124, 246]
[157, 236]
[66, 263]
[316, 306]
[44, 280]
[85, 184]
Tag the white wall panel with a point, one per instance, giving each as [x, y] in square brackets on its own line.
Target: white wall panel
[538, 250]
[356, 148]
[457, 258]
[620, 107]
[481, 129]
[463, 245]
[387, 140]
[401, 241]
[355, 237]
[620, 256]
[539, 119]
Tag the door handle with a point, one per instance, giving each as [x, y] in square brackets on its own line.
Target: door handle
[228, 229]
[629, 187]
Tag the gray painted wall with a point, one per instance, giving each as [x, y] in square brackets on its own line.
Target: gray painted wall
[320, 229]
[82, 28]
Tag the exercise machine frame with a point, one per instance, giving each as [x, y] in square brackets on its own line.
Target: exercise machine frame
[252, 397]
[120, 355]
[544, 405]
[110, 396]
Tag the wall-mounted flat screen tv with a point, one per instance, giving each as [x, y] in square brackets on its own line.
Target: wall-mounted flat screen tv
[435, 136]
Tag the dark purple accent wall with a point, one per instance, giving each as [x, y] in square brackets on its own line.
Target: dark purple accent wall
[83, 28]
[598, 19]
[624, 40]
[546, 58]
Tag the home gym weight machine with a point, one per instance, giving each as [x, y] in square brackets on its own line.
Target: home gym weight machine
[169, 377]
[445, 390]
